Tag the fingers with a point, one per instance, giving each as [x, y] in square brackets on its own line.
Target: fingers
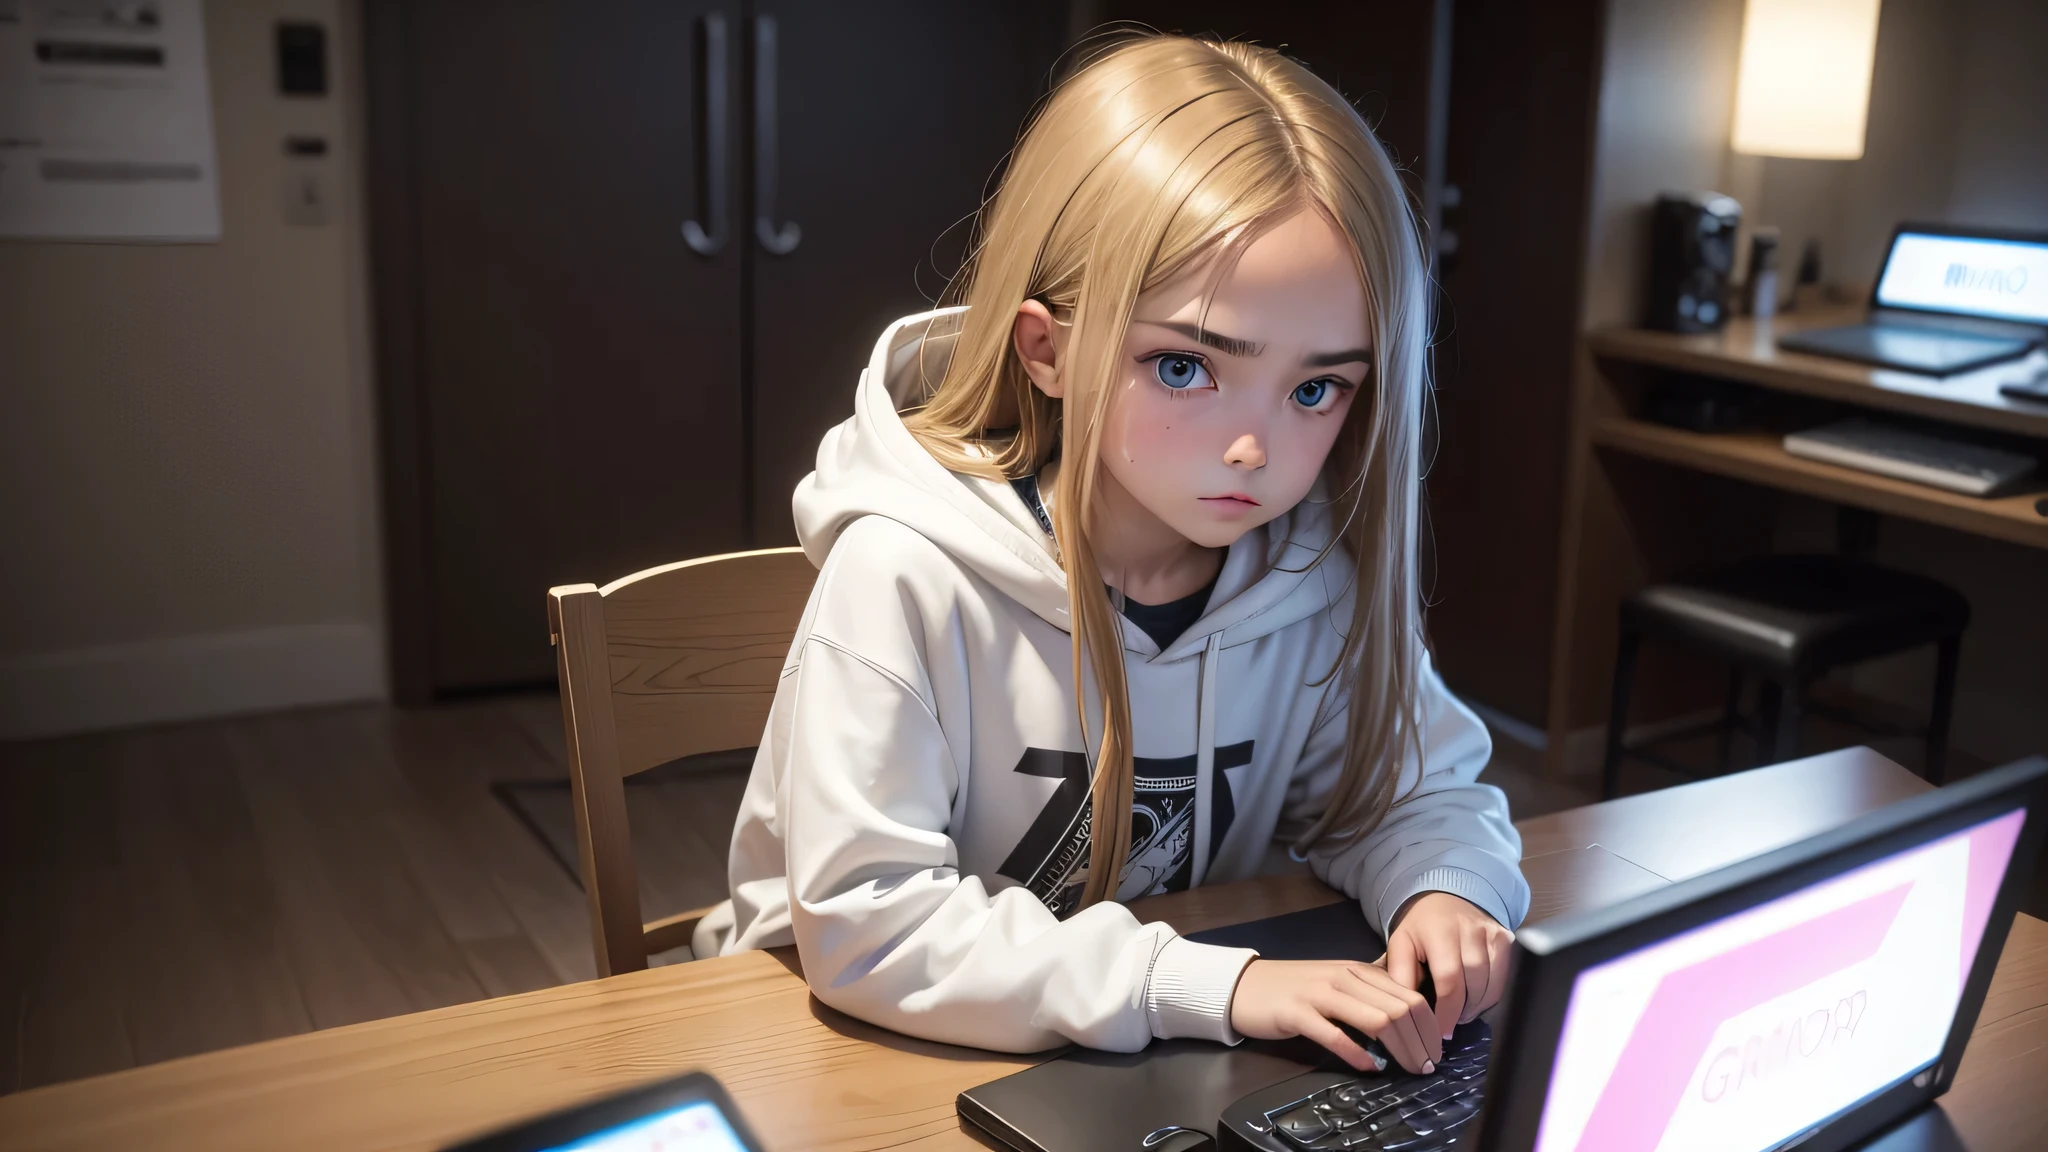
[1348, 1050]
[1403, 1022]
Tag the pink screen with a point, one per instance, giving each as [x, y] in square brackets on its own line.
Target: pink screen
[1745, 1032]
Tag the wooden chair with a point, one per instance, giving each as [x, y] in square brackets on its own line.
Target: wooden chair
[666, 663]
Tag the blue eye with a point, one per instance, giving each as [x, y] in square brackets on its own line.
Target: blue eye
[1315, 393]
[1180, 373]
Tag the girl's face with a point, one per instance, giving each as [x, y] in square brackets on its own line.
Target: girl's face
[1223, 417]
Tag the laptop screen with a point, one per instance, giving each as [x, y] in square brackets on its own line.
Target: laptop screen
[1750, 1030]
[1967, 276]
[695, 1127]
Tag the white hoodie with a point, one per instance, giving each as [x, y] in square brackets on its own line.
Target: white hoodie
[916, 821]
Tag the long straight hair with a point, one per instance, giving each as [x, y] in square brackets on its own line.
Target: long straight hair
[1155, 156]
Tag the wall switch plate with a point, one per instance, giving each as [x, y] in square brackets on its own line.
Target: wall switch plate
[305, 198]
[301, 59]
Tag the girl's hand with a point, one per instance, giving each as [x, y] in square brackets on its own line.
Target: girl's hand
[1276, 999]
[1466, 950]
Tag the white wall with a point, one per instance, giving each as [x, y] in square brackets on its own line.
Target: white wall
[1667, 94]
[187, 454]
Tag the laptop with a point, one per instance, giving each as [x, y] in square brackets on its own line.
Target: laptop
[1817, 996]
[1947, 300]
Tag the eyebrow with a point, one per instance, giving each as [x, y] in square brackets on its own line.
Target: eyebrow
[1232, 346]
[1228, 345]
[1332, 359]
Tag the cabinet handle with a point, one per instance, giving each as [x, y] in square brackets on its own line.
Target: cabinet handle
[776, 240]
[716, 180]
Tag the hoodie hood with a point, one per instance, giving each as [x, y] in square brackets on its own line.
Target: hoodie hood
[872, 466]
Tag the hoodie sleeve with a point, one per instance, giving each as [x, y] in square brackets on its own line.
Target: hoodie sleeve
[891, 932]
[1446, 832]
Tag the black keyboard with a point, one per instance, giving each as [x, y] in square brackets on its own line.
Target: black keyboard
[1392, 1112]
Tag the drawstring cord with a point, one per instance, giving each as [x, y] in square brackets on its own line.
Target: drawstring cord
[1205, 757]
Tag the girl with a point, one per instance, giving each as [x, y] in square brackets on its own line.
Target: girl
[1131, 531]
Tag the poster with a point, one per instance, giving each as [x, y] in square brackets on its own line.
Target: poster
[106, 124]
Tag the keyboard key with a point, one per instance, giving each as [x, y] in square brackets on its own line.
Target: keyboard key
[1302, 1125]
[1452, 1114]
[1399, 1137]
[1435, 1092]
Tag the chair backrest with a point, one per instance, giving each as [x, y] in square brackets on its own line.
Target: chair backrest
[662, 664]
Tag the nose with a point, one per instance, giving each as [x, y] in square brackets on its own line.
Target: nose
[1246, 453]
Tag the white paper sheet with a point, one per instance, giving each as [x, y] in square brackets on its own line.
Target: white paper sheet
[106, 123]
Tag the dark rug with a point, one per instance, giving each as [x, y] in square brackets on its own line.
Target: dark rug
[681, 815]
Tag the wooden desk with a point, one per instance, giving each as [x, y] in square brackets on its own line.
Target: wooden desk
[808, 1077]
[1631, 517]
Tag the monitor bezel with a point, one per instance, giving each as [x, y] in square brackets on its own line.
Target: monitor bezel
[1550, 956]
[541, 1133]
[1959, 232]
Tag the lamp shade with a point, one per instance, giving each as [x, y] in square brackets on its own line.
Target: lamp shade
[1804, 84]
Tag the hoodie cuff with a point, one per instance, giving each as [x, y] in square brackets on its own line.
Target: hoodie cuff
[1190, 990]
[1468, 885]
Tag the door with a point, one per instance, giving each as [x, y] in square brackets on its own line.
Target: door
[1524, 86]
[577, 363]
[890, 118]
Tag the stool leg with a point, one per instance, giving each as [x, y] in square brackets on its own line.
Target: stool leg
[1783, 732]
[1617, 713]
[1763, 730]
[1731, 717]
[1944, 698]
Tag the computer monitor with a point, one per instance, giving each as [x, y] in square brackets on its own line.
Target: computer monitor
[1951, 271]
[1812, 996]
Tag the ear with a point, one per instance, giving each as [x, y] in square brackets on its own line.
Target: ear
[1037, 337]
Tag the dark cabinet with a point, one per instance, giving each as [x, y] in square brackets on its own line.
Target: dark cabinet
[630, 257]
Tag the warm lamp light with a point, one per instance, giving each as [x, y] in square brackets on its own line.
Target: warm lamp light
[1804, 84]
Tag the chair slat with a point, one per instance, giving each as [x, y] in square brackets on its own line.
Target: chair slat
[666, 663]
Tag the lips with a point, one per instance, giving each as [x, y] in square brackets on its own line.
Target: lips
[1231, 498]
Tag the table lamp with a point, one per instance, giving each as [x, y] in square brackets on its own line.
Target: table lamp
[1803, 86]
[1803, 91]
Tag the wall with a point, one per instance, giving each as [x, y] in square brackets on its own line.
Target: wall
[187, 454]
[1667, 94]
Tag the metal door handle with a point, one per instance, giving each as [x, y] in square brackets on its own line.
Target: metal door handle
[776, 240]
[716, 181]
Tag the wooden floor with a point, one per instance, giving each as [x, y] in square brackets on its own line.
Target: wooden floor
[175, 890]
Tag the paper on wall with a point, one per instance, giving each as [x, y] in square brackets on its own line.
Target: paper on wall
[106, 123]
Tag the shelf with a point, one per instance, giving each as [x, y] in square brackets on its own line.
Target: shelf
[1747, 351]
[1759, 458]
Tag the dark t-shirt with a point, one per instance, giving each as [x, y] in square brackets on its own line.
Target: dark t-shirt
[1164, 623]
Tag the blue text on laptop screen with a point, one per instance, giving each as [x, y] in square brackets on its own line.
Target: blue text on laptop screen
[695, 1127]
[1996, 279]
[1745, 1032]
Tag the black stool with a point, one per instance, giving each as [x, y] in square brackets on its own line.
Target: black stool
[1787, 620]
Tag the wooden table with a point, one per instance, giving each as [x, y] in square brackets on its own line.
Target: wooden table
[808, 1077]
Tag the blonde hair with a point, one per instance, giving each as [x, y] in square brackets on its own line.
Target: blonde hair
[1157, 155]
